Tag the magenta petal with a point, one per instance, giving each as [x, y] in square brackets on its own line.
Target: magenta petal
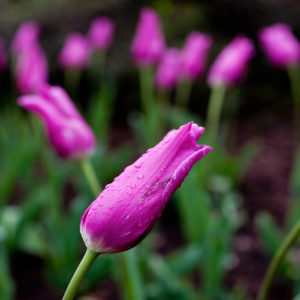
[280, 44]
[67, 131]
[36, 104]
[148, 42]
[127, 209]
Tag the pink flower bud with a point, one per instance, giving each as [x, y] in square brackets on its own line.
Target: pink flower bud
[31, 69]
[75, 53]
[230, 66]
[128, 208]
[68, 133]
[167, 73]
[148, 44]
[280, 45]
[26, 35]
[3, 58]
[101, 33]
[194, 55]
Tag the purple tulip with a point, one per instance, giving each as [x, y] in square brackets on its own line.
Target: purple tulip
[3, 58]
[101, 33]
[230, 66]
[31, 69]
[75, 53]
[148, 43]
[280, 45]
[194, 55]
[128, 208]
[26, 35]
[166, 76]
[68, 133]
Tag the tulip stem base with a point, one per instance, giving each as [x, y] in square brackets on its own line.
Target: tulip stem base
[147, 99]
[279, 255]
[131, 279]
[183, 92]
[215, 104]
[81, 270]
[294, 76]
[91, 176]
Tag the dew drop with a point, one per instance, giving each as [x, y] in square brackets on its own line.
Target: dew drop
[107, 186]
[133, 186]
[138, 165]
[147, 186]
[139, 224]
[101, 196]
[140, 176]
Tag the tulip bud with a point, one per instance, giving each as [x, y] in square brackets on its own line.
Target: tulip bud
[3, 58]
[166, 76]
[230, 66]
[75, 53]
[101, 33]
[128, 208]
[280, 45]
[148, 43]
[26, 35]
[31, 69]
[68, 133]
[194, 55]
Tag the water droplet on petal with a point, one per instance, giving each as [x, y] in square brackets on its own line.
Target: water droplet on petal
[139, 224]
[138, 165]
[140, 176]
[147, 186]
[107, 186]
[133, 186]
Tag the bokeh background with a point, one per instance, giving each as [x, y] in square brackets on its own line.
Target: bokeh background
[257, 111]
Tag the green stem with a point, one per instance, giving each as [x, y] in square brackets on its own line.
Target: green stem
[85, 263]
[294, 76]
[214, 112]
[91, 176]
[130, 275]
[285, 245]
[72, 81]
[183, 92]
[147, 98]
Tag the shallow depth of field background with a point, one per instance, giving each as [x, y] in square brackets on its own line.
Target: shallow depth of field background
[42, 197]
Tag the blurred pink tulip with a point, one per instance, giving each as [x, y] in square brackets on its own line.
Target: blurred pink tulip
[167, 73]
[231, 64]
[148, 44]
[128, 208]
[26, 35]
[194, 55]
[101, 33]
[31, 69]
[68, 133]
[280, 45]
[75, 53]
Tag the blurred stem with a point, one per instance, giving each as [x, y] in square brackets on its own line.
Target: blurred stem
[147, 98]
[183, 92]
[130, 276]
[214, 112]
[72, 81]
[81, 270]
[129, 268]
[279, 255]
[91, 176]
[294, 76]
